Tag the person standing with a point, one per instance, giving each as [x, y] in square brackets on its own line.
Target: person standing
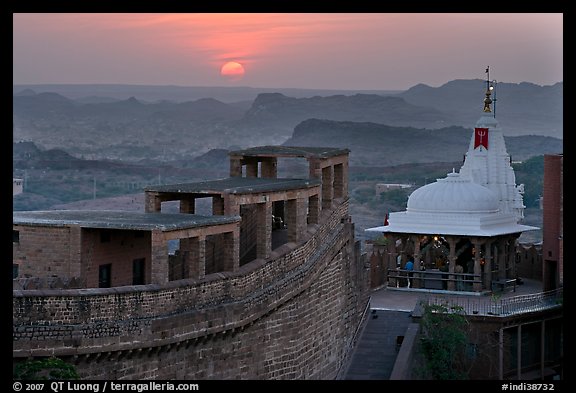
[410, 268]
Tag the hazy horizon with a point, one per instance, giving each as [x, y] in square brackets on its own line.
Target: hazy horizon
[334, 51]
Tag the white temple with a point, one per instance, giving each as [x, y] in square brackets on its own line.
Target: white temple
[482, 200]
[473, 214]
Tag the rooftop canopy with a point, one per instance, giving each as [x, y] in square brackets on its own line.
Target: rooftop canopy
[107, 219]
[290, 151]
[237, 185]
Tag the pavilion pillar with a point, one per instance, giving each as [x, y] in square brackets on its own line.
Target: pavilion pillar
[314, 168]
[512, 256]
[392, 255]
[477, 286]
[417, 264]
[296, 218]
[187, 205]
[152, 202]
[263, 230]
[488, 266]
[314, 209]
[269, 167]
[235, 166]
[217, 205]
[159, 258]
[327, 187]
[451, 263]
[196, 263]
[231, 247]
[502, 258]
[251, 167]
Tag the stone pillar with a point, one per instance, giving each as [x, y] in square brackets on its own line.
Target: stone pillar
[269, 167]
[187, 205]
[296, 218]
[251, 167]
[301, 217]
[231, 247]
[264, 230]
[152, 202]
[327, 187]
[314, 209]
[338, 181]
[314, 168]
[235, 166]
[197, 257]
[345, 172]
[231, 205]
[451, 263]
[217, 205]
[488, 266]
[159, 258]
[477, 286]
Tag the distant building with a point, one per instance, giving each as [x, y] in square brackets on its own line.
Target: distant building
[383, 187]
[552, 222]
[17, 186]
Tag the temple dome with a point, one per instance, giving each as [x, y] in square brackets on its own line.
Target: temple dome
[453, 194]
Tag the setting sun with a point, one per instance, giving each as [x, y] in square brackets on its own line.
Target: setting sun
[232, 70]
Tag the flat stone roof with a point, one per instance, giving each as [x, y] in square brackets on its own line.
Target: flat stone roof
[290, 151]
[108, 219]
[237, 185]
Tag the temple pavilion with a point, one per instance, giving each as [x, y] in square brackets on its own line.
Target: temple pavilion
[461, 231]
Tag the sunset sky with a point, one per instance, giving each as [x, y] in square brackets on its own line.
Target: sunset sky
[314, 50]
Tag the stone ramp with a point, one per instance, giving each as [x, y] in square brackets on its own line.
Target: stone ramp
[376, 351]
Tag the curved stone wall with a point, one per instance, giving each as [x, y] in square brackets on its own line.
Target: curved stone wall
[292, 316]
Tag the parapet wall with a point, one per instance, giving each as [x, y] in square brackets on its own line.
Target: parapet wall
[292, 316]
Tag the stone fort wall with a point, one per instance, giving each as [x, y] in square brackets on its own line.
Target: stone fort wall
[291, 317]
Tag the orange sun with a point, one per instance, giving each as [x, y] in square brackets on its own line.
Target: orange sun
[232, 70]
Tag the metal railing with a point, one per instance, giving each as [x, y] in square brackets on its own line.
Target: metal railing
[498, 307]
[433, 279]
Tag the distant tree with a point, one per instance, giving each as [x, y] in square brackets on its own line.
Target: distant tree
[444, 341]
[531, 174]
[49, 368]
[397, 198]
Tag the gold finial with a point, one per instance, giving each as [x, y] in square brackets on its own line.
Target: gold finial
[487, 100]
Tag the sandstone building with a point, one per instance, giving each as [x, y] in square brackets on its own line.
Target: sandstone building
[270, 286]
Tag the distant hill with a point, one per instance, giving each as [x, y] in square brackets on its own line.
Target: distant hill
[128, 129]
[374, 144]
[87, 121]
[523, 108]
[276, 108]
[27, 154]
[154, 93]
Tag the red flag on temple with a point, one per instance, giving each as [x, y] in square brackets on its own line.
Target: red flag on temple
[386, 219]
[481, 137]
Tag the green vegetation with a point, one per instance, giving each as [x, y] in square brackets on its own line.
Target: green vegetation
[444, 342]
[49, 368]
[381, 241]
[398, 197]
[531, 174]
